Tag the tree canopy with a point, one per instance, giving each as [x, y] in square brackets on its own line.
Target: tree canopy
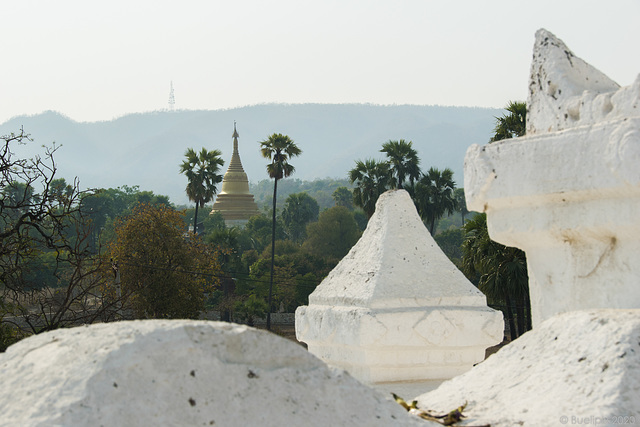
[371, 179]
[403, 162]
[299, 210]
[201, 170]
[434, 196]
[164, 272]
[333, 235]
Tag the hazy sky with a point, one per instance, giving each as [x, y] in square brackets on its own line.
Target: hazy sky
[99, 60]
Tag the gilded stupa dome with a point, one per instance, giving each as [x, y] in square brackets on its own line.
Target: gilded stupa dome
[234, 201]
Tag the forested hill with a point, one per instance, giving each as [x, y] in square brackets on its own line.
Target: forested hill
[146, 149]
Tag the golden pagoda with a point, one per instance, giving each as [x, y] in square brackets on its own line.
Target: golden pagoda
[234, 201]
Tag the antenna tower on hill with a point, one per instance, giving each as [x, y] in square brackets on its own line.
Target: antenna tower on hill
[172, 99]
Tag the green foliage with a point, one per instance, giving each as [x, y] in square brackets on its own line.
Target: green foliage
[46, 269]
[251, 308]
[433, 196]
[103, 206]
[296, 274]
[403, 162]
[361, 219]
[512, 124]
[9, 335]
[279, 149]
[499, 271]
[49, 274]
[201, 170]
[343, 197]
[461, 203]
[371, 179]
[259, 228]
[299, 210]
[450, 241]
[164, 272]
[211, 221]
[319, 189]
[333, 235]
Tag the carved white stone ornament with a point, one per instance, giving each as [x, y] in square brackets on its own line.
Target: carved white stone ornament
[568, 192]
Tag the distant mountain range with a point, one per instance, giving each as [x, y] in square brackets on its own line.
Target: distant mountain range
[146, 149]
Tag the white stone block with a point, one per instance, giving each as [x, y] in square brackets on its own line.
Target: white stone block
[567, 193]
[180, 373]
[395, 308]
[573, 369]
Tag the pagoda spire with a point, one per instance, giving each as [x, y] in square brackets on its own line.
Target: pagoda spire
[234, 201]
[235, 165]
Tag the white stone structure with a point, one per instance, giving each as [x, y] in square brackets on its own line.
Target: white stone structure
[567, 193]
[576, 368]
[395, 308]
[180, 373]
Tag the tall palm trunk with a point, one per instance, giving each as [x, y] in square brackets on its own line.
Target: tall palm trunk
[520, 315]
[195, 221]
[273, 250]
[527, 302]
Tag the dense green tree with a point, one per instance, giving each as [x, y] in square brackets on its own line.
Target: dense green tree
[201, 170]
[250, 308]
[450, 241]
[403, 162]
[259, 229]
[361, 219]
[164, 273]
[297, 273]
[371, 179]
[320, 189]
[343, 197]
[461, 202]
[433, 196]
[149, 198]
[279, 149]
[333, 235]
[500, 271]
[210, 222]
[299, 210]
[229, 245]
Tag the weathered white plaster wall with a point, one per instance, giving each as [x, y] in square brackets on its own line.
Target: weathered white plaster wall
[180, 373]
[567, 193]
[395, 308]
[583, 365]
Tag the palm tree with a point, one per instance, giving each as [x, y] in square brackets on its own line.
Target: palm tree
[434, 197]
[371, 178]
[201, 170]
[403, 161]
[501, 272]
[512, 124]
[458, 193]
[279, 149]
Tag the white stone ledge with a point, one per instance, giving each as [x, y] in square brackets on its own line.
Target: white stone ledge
[598, 161]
